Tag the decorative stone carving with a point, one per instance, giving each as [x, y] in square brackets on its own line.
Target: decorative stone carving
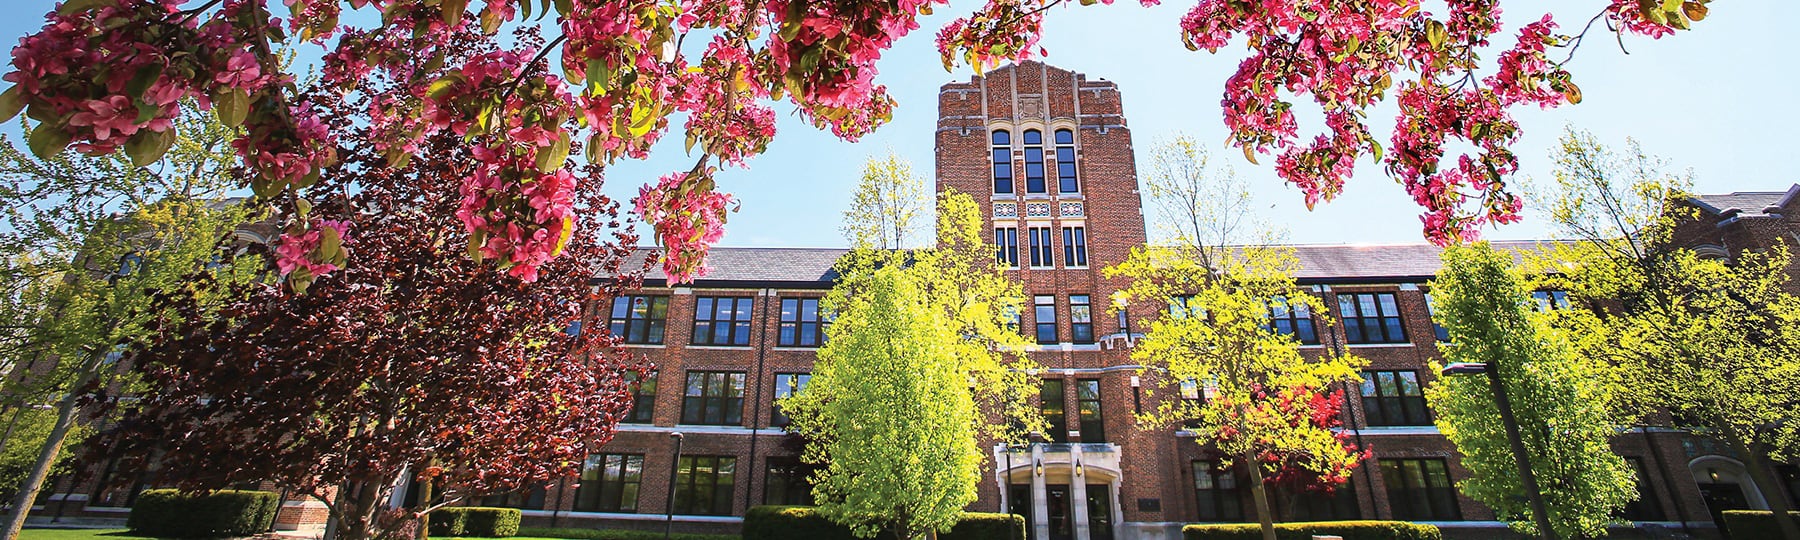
[1036, 210]
[1031, 107]
[1006, 210]
[1071, 209]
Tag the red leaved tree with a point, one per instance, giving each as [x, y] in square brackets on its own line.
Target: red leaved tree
[415, 360]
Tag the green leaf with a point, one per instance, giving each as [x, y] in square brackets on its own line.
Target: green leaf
[145, 111]
[552, 158]
[72, 7]
[147, 147]
[232, 106]
[642, 119]
[443, 85]
[11, 102]
[146, 76]
[597, 76]
[453, 10]
[565, 7]
[48, 139]
[1572, 92]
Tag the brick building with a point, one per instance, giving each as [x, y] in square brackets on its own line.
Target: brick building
[1050, 153]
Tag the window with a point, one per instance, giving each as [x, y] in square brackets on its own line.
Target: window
[522, 498]
[786, 385]
[1420, 490]
[1443, 334]
[1074, 246]
[609, 483]
[785, 483]
[1045, 314]
[1006, 239]
[1646, 507]
[1041, 256]
[643, 398]
[1065, 162]
[1003, 165]
[713, 398]
[722, 321]
[1081, 319]
[704, 484]
[1050, 398]
[1294, 319]
[1034, 161]
[1371, 318]
[639, 319]
[801, 324]
[1216, 493]
[1183, 306]
[1392, 398]
[1087, 407]
[1316, 505]
[1549, 300]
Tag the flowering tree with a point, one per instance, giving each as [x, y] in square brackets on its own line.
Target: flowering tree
[104, 75]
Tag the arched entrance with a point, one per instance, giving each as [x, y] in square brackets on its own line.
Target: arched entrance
[1725, 485]
[1061, 495]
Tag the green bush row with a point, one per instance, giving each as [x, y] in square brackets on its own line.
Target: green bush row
[475, 521]
[805, 523]
[608, 534]
[1350, 530]
[1752, 524]
[169, 513]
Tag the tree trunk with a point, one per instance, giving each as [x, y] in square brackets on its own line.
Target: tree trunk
[1260, 496]
[17, 415]
[65, 419]
[1766, 485]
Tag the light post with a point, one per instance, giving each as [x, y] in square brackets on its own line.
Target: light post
[1119, 304]
[1520, 459]
[669, 518]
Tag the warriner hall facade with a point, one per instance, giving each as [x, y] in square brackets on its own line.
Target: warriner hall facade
[1049, 153]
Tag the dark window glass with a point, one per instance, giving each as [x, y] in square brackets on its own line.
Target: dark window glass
[1034, 161]
[1420, 490]
[1294, 319]
[1006, 239]
[1050, 399]
[1087, 410]
[1371, 318]
[1081, 319]
[643, 398]
[523, 499]
[1393, 398]
[785, 483]
[1317, 505]
[703, 485]
[1003, 165]
[1065, 162]
[713, 398]
[1041, 254]
[801, 323]
[722, 321]
[1443, 334]
[786, 385]
[119, 486]
[1216, 493]
[640, 319]
[1074, 246]
[1647, 507]
[1044, 310]
[1183, 306]
[609, 483]
[1548, 300]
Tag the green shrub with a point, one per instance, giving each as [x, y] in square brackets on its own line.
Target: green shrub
[173, 514]
[475, 521]
[1350, 530]
[611, 534]
[805, 523]
[1751, 524]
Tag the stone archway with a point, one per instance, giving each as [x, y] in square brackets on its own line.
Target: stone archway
[1725, 485]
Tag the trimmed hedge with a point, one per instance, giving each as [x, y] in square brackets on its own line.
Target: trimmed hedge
[611, 534]
[1752, 524]
[475, 521]
[805, 523]
[1350, 530]
[172, 514]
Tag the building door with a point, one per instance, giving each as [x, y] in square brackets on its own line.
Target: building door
[1720, 497]
[1062, 518]
[1018, 503]
[1100, 518]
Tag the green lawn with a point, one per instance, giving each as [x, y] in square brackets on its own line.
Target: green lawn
[78, 534]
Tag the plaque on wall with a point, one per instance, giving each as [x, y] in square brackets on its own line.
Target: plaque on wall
[1149, 505]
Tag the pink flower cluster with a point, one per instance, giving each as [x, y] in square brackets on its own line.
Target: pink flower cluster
[518, 217]
[310, 250]
[286, 150]
[688, 216]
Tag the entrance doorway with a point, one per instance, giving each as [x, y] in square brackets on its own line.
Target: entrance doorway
[1062, 518]
[1720, 497]
[1060, 512]
[1100, 518]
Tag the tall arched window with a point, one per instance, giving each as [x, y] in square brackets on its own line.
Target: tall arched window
[1065, 162]
[1003, 173]
[1034, 161]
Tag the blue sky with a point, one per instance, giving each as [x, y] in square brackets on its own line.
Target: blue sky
[1720, 100]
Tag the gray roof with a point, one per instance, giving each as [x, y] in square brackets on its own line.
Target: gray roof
[1393, 262]
[1746, 203]
[751, 266]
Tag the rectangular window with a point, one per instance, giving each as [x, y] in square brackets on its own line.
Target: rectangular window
[1443, 334]
[1087, 407]
[1393, 398]
[1420, 489]
[1183, 306]
[1647, 507]
[1065, 162]
[722, 321]
[1216, 493]
[1034, 163]
[1044, 311]
[1006, 240]
[786, 385]
[1003, 171]
[1313, 505]
[522, 498]
[785, 483]
[1041, 254]
[640, 319]
[1050, 399]
[713, 398]
[1549, 300]
[1074, 246]
[609, 483]
[1294, 319]
[643, 398]
[1081, 319]
[1371, 318]
[704, 485]
[801, 323]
